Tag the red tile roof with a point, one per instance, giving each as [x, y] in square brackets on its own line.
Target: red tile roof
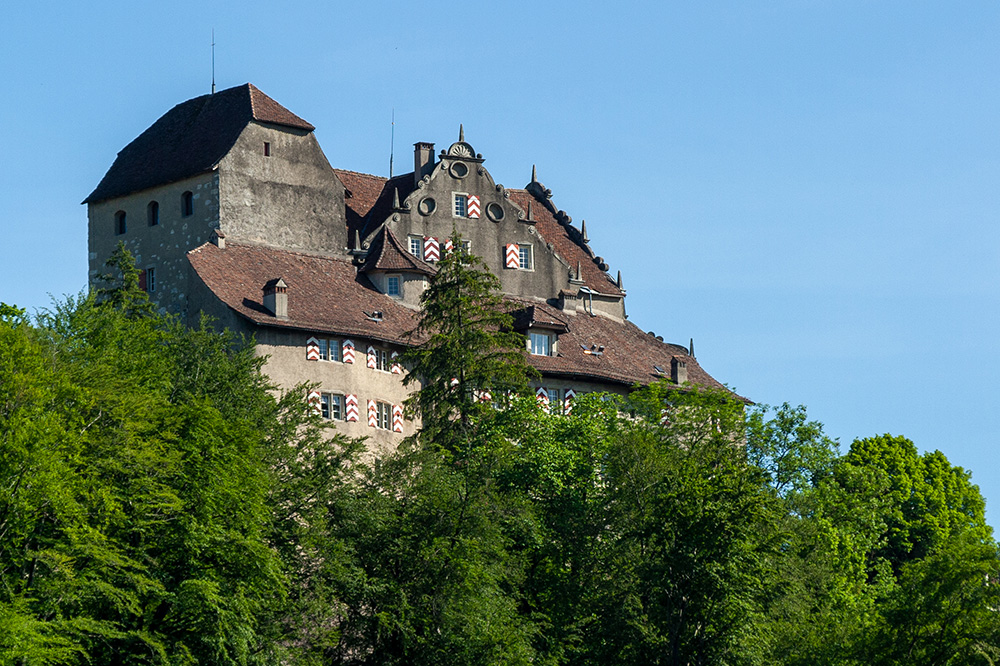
[370, 198]
[567, 242]
[386, 254]
[190, 139]
[325, 294]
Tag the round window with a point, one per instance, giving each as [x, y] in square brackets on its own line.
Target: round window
[459, 170]
[426, 206]
[495, 211]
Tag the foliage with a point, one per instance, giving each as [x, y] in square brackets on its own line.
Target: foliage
[467, 348]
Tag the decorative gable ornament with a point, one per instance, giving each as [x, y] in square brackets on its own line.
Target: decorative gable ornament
[372, 360]
[372, 415]
[397, 418]
[352, 407]
[474, 207]
[432, 251]
[348, 349]
[312, 349]
[513, 257]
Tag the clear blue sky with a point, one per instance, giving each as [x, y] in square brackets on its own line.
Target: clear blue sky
[809, 189]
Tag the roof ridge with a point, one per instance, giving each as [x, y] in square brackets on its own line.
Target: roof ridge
[274, 248]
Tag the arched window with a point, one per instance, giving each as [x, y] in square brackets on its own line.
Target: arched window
[153, 213]
[120, 225]
[187, 204]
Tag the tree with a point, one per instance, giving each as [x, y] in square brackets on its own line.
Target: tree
[465, 349]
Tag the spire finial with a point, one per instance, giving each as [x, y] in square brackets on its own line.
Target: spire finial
[583, 231]
[213, 61]
[534, 174]
[395, 198]
[529, 212]
[579, 270]
[461, 133]
[357, 240]
[691, 348]
[619, 279]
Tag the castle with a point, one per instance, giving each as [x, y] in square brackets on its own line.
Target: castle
[230, 208]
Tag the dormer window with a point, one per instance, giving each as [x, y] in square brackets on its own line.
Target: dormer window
[540, 344]
[187, 204]
[392, 286]
[120, 224]
[461, 208]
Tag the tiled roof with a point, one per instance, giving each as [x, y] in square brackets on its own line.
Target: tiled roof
[370, 198]
[190, 139]
[567, 242]
[326, 295]
[386, 254]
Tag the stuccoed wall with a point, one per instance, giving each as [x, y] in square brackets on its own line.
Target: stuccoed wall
[287, 366]
[488, 238]
[161, 247]
[292, 199]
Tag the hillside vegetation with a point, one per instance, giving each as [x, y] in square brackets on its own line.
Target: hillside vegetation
[160, 503]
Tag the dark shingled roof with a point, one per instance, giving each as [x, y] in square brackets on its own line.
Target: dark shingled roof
[325, 294]
[386, 254]
[190, 139]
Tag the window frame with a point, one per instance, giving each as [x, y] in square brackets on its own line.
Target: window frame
[153, 213]
[398, 280]
[121, 223]
[525, 255]
[150, 279]
[464, 198]
[547, 337]
[383, 415]
[419, 246]
[555, 403]
[332, 406]
[329, 347]
[187, 204]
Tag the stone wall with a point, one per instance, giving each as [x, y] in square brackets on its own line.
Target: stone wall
[290, 198]
[161, 247]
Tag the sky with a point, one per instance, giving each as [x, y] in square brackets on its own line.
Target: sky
[808, 189]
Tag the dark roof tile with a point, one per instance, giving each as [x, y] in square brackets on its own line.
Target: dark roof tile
[190, 139]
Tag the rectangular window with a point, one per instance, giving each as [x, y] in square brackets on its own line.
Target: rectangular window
[467, 246]
[461, 208]
[555, 404]
[332, 406]
[267, 149]
[150, 280]
[382, 360]
[416, 246]
[329, 350]
[524, 257]
[541, 344]
[383, 414]
[392, 285]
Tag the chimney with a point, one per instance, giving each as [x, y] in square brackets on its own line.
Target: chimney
[276, 298]
[423, 160]
[219, 239]
[678, 370]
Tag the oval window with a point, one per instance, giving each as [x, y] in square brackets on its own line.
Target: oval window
[495, 211]
[459, 170]
[426, 206]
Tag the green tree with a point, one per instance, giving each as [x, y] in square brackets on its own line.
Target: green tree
[465, 348]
